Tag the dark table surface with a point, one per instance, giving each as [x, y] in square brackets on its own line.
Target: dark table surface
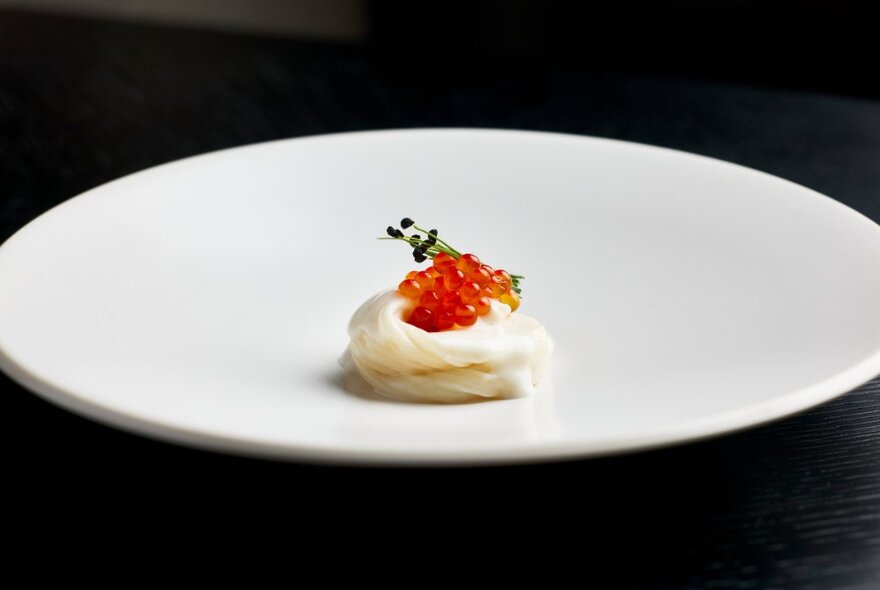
[793, 504]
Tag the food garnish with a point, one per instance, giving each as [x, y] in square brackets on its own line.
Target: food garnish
[456, 289]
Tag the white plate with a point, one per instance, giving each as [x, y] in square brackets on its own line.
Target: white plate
[206, 301]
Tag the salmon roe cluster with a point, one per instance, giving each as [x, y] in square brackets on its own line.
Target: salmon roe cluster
[454, 292]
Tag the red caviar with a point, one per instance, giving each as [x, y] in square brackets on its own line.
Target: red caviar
[455, 292]
[443, 261]
[452, 278]
[481, 276]
[483, 305]
[445, 321]
[430, 299]
[470, 292]
[409, 288]
[465, 315]
[468, 263]
[423, 318]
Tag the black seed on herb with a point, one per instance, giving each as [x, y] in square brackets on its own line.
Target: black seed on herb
[431, 240]
[398, 233]
[416, 237]
[406, 222]
[419, 257]
[392, 232]
[433, 232]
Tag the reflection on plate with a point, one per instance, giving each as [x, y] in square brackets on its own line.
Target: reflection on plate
[206, 301]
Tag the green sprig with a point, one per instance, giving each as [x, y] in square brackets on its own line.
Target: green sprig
[432, 245]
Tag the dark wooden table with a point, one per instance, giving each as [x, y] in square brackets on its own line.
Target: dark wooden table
[789, 505]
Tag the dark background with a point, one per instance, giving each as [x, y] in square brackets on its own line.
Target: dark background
[789, 88]
[808, 44]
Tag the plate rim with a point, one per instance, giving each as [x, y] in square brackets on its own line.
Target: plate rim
[752, 415]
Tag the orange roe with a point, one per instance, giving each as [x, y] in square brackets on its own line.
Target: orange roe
[443, 261]
[453, 293]
[483, 305]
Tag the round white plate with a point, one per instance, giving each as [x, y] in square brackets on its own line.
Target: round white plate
[206, 301]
